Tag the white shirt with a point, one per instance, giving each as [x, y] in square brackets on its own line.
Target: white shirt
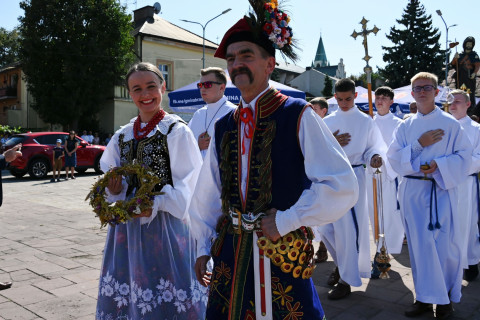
[453, 154]
[185, 163]
[387, 125]
[365, 139]
[204, 119]
[472, 130]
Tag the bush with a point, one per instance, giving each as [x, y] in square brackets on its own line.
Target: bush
[10, 130]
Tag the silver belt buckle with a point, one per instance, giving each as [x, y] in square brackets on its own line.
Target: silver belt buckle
[251, 221]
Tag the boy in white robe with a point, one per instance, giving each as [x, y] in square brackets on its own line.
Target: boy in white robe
[347, 239]
[389, 219]
[320, 106]
[433, 162]
[468, 191]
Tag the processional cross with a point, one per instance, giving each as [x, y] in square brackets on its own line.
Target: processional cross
[383, 258]
[364, 33]
[368, 70]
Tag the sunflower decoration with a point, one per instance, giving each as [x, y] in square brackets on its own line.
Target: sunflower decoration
[297, 271]
[123, 210]
[292, 253]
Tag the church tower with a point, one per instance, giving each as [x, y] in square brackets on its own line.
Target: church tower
[321, 56]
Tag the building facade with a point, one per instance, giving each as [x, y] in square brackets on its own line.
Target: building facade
[175, 51]
[15, 102]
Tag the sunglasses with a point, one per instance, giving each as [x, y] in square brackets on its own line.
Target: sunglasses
[424, 88]
[206, 84]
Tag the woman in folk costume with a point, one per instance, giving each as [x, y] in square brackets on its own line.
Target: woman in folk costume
[148, 261]
[272, 170]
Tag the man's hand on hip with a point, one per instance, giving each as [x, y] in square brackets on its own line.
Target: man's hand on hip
[268, 225]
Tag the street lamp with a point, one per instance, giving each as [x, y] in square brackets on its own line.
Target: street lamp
[446, 46]
[203, 27]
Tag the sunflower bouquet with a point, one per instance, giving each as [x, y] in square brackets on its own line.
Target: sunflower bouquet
[121, 211]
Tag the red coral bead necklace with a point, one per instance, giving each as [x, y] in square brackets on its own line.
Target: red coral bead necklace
[140, 132]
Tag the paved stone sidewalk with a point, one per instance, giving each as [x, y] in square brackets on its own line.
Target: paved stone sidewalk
[51, 247]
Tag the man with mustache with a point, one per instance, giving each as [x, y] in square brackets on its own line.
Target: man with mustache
[273, 169]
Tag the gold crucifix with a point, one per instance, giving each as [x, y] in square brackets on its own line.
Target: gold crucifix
[364, 33]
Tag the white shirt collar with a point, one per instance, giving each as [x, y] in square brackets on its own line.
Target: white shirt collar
[465, 119]
[387, 116]
[352, 110]
[216, 105]
[419, 114]
[254, 101]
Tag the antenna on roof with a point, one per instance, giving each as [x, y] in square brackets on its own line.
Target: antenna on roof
[157, 7]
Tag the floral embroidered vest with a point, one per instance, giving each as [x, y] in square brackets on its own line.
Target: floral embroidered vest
[276, 171]
[151, 151]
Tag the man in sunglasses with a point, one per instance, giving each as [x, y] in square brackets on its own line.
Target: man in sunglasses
[212, 88]
[273, 170]
[432, 153]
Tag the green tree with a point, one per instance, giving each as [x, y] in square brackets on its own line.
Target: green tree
[361, 80]
[416, 47]
[328, 87]
[73, 53]
[9, 46]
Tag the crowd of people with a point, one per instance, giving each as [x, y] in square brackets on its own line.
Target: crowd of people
[95, 139]
[246, 189]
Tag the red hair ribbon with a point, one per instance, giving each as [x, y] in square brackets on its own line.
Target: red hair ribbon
[246, 116]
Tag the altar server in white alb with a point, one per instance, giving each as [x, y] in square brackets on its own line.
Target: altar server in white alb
[468, 206]
[432, 153]
[391, 224]
[212, 88]
[347, 239]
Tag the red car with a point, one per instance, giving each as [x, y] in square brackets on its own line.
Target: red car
[37, 153]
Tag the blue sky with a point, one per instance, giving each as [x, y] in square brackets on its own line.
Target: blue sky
[333, 20]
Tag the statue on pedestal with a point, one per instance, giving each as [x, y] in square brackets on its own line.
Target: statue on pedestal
[466, 66]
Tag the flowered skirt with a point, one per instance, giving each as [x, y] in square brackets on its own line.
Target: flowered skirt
[292, 298]
[147, 272]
